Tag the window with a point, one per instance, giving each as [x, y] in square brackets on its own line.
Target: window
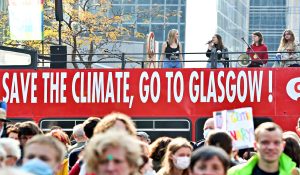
[164, 127]
[65, 124]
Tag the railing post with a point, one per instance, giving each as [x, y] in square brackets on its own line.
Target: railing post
[143, 64]
[123, 60]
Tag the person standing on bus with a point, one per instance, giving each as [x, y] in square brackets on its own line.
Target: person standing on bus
[177, 158]
[287, 44]
[171, 51]
[217, 51]
[258, 59]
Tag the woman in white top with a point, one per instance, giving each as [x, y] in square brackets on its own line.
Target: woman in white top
[287, 44]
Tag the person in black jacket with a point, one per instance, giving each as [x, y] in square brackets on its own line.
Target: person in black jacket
[217, 51]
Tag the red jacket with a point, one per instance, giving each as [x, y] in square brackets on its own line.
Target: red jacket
[263, 56]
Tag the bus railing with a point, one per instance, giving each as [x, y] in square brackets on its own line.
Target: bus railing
[142, 59]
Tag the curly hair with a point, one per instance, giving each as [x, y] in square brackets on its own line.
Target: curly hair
[99, 144]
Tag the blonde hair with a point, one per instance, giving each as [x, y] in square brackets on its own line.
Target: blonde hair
[110, 120]
[113, 139]
[267, 126]
[284, 42]
[171, 36]
[172, 148]
[52, 142]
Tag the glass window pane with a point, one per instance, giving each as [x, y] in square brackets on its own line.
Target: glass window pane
[143, 14]
[143, 1]
[157, 29]
[172, 1]
[172, 14]
[158, 1]
[157, 14]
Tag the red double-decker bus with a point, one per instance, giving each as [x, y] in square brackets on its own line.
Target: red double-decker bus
[169, 102]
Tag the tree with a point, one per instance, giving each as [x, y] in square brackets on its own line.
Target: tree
[88, 29]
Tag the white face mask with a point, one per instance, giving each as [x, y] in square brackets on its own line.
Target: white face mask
[206, 132]
[182, 162]
[150, 172]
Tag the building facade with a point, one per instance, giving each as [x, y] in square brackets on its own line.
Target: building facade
[268, 17]
[293, 17]
[3, 5]
[158, 16]
[229, 18]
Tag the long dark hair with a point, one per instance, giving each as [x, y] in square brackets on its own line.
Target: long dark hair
[220, 44]
[261, 38]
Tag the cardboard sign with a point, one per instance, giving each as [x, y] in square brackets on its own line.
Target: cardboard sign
[239, 125]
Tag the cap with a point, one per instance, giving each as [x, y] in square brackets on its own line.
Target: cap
[144, 135]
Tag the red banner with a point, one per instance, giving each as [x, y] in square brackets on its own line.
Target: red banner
[152, 92]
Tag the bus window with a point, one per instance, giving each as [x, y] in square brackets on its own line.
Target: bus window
[17, 58]
[165, 127]
[66, 124]
[200, 123]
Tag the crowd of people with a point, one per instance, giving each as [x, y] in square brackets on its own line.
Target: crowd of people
[112, 146]
[288, 51]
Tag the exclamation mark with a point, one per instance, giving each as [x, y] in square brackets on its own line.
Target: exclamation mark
[270, 87]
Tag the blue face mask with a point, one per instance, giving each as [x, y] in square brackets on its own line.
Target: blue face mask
[206, 132]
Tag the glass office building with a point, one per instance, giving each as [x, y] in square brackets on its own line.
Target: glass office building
[229, 18]
[268, 17]
[293, 17]
[158, 16]
[3, 5]
[232, 23]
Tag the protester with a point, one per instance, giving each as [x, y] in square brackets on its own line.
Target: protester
[171, 51]
[208, 127]
[27, 130]
[63, 137]
[2, 157]
[117, 121]
[37, 167]
[144, 137]
[292, 148]
[113, 121]
[177, 158]
[13, 171]
[288, 44]
[88, 128]
[218, 52]
[12, 149]
[258, 59]
[12, 132]
[79, 136]
[3, 121]
[298, 127]
[269, 159]
[158, 150]
[222, 140]
[47, 149]
[113, 152]
[209, 160]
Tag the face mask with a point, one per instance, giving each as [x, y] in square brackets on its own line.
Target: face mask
[150, 172]
[206, 132]
[182, 162]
